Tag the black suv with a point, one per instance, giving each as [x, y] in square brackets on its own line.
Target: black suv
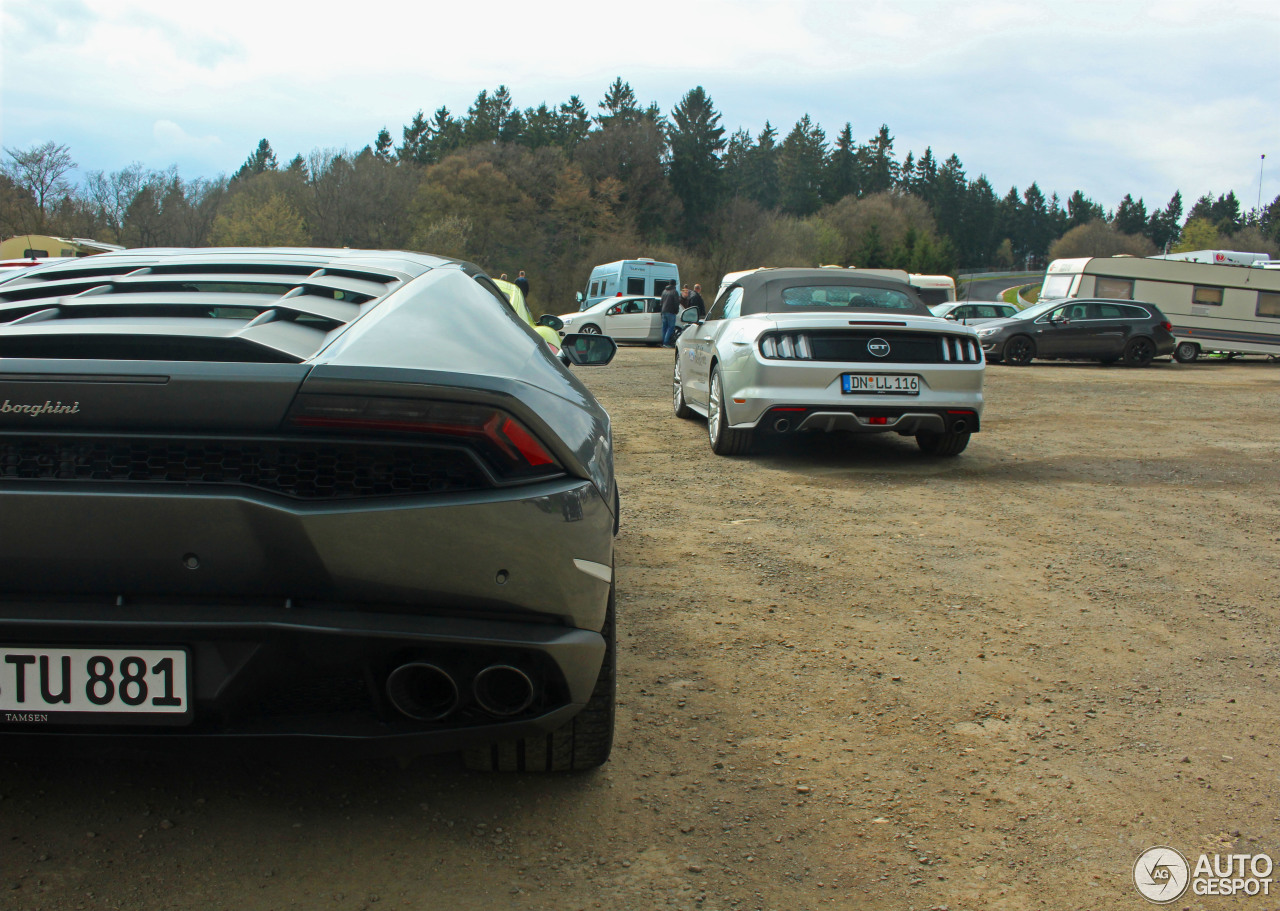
[1103, 330]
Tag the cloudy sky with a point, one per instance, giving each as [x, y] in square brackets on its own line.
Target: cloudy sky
[1106, 96]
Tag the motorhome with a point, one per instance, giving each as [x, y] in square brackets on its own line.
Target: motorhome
[45, 246]
[934, 289]
[627, 276]
[1218, 257]
[1230, 308]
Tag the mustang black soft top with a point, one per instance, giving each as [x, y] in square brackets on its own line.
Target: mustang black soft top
[763, 289]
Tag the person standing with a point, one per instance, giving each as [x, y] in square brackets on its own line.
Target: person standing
[695, 300]
[670, 307]
[523, 284]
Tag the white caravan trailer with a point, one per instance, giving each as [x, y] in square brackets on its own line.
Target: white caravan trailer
[934, 289]
[628, 276]
[1231, 308]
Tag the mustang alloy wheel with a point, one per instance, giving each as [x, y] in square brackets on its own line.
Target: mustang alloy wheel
[681, 409]
[725, 440]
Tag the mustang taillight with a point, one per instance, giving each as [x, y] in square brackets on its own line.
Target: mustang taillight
[506, 444]
[786, 346]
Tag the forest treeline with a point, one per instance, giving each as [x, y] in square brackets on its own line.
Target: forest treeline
[556, 189]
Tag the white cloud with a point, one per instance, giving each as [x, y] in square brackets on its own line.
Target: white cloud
[1092, 94]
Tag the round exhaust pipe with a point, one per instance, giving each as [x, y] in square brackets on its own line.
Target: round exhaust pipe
[960, 426]
[503, 690]
[781, 425]
[424, 692]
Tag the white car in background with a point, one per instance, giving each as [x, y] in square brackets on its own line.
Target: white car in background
[790, 350]
[628, 318]
[973, 312]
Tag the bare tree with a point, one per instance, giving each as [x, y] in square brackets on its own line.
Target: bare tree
[112, 194]
[41, 171]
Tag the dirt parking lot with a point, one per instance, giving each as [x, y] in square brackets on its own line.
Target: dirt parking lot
[850, 676]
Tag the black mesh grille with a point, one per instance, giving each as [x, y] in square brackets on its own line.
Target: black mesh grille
[305, 469]
[904, 348]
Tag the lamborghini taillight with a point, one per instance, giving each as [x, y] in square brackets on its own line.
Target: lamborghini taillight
[509, 448]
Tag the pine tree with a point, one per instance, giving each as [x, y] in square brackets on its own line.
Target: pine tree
[261, 160]
[382, 146]
[800, 166]
[574, 124]
[619, 104]
[1081, 210]
[764, 160]
[842, 176]
[881, 169]
[1130, 217]
[697, 139]
[413, 146]
[1163, 225]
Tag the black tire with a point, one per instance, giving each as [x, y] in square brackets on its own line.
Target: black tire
[582, 743]
[724, 439]
[942, 444]
[1186, 352]
[679, 405]
[1139, 352]
[590, 329]
[1018, 351]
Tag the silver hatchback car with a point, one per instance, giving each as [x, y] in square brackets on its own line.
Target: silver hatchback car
[790, 350]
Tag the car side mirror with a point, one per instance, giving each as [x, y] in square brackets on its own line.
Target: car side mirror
[588, 350]
[689, 315]
[578, 297]
[551, 322]
[950, 316]
[613, 311]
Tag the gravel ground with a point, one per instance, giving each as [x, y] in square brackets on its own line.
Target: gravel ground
[850, 676]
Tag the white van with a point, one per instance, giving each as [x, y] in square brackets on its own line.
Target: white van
[1234, 308]
[628, 276]
[934, 289]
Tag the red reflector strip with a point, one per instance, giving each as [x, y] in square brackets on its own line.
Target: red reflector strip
[397, 426]
[877, 420]
[961, 412]
[532, 451]
[788, 409]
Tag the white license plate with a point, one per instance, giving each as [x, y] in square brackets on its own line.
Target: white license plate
[880, 383]
[51, 685]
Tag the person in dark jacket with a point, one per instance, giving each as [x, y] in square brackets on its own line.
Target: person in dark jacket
[670, 307]
[695, 300]
[523, 284]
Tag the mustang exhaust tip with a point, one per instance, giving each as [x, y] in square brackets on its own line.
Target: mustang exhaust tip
[781, 425]
[503, 690]
[960, 426]
[424, 692]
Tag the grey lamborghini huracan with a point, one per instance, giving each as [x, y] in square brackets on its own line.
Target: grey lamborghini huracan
[301, 494]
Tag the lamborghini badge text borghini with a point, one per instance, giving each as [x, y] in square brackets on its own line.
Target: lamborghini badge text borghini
[34, 411]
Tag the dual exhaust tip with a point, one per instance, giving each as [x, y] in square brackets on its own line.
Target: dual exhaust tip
[783, 425]
[427, 692]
